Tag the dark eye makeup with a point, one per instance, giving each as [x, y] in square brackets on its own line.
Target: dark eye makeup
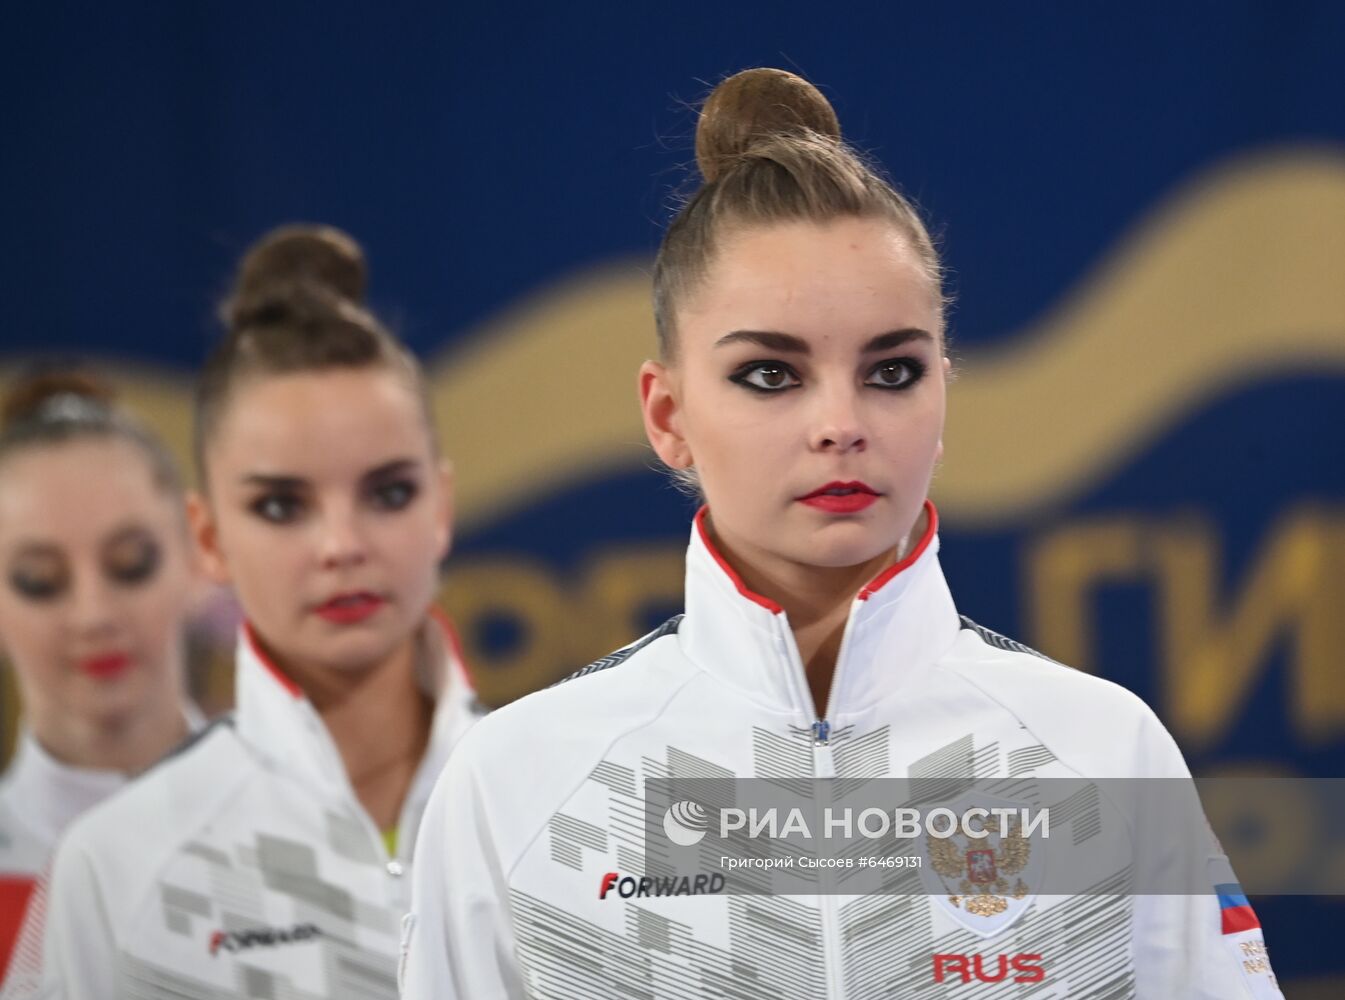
[765, 377]
[395, 494]
[39, 577]
[769, 377]
[277, 508]
[132, 557]
[896, 373]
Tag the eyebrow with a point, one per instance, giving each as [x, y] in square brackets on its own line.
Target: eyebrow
[398, 466]
[787, 343]
[25, 550]
[295, 483]
[274, 482]
[124, 532]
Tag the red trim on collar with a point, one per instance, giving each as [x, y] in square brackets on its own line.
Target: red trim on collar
[286, 682]
[15, 891]
[882, 579]
[732, 574]
[454, 641]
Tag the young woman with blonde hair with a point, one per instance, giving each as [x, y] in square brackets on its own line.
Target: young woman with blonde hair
[97, 572]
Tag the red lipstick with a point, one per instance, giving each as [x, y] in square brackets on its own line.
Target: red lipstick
[841, 498]
[105, 666]
[347, 609]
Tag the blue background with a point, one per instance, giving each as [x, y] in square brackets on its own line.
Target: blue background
[481, 152]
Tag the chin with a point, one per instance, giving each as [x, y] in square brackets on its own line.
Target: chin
[359, 649]
[109, 705]
[850, 543]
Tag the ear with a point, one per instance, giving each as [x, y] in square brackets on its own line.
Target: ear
[947, 377]
[662, 413]
[205, 533]
[443, 539]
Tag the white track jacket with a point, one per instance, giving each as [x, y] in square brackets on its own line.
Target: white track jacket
[244, 865]
[539, 818]
[39, 798]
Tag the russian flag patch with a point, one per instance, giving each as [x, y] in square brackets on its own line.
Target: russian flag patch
[1237, 914]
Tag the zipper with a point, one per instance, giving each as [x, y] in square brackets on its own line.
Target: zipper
[392, 868]
[824, 767]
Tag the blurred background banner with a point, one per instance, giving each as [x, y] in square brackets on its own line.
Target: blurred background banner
[1142, 209]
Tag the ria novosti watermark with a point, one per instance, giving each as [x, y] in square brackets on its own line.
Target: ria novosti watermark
[685, 824]
[991, 845]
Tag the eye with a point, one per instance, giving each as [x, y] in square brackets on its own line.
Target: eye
[277, 508]
[765, 376]
[39, 579]
[895, 373]
[132, 559]
[37, 588]
[395, 495]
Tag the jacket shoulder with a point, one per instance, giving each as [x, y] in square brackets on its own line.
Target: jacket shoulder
[561, 733]
[126, 839]
[625, 653]
[606, 696]
[1093, 725]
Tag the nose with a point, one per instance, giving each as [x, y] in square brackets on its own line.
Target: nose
[839, 427]
[342, 544]
[93, 614]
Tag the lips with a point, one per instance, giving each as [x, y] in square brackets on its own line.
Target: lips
[347, 609]
[841, 498]
[105, 666]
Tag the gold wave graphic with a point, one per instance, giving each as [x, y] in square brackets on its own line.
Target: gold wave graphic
[1238, 278]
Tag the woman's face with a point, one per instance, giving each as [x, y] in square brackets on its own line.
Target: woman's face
[97, 579]
[328, 512]
[807, 393]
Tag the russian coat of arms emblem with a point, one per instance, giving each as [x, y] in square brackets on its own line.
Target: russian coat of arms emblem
[984, 872]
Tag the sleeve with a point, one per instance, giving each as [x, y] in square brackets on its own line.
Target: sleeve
[77, 956]
[457, 941]
[1205, 943]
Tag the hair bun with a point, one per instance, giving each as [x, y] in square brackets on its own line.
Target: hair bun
[296, 269]
[32, 396]
[758, 104]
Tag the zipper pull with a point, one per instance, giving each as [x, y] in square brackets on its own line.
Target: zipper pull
[821, 733]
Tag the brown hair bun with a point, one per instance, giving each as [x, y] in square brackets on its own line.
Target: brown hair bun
[758, 104]
[296, 269]
[30, 396]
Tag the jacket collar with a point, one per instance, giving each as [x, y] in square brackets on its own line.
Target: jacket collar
[899, 625]
[53, 794]
[277, 720]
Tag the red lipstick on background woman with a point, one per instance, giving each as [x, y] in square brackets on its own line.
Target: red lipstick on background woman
[105, 666]
[347, 609]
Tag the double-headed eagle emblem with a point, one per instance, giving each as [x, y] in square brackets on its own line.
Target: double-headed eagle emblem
[980, 867]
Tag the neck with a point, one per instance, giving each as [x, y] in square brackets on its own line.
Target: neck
[379, 718]
[128, 742]
[817, 601]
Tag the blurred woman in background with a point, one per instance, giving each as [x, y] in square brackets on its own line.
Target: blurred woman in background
[97, 567]
[270, 858]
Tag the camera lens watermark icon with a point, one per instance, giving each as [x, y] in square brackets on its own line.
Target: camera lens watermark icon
[685, 823]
